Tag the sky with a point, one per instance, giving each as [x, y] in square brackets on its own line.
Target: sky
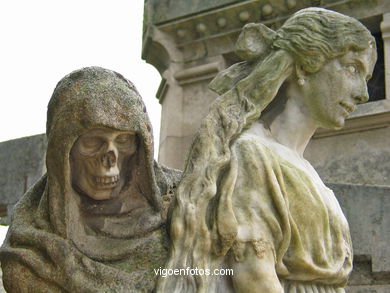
[41, 41]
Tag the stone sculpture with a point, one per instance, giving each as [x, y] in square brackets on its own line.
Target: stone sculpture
[248, 200]
[96, 221]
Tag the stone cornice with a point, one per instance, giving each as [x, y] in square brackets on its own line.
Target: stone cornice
[232, 18]
[210, 27]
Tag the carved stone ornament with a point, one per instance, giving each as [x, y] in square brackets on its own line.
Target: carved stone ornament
[96, 221]
[248, 200]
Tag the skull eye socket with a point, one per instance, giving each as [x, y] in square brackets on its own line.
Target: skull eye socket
[90, 145]
[125, 141]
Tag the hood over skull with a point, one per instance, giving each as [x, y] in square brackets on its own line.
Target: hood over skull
[64, 237]
[96, 98]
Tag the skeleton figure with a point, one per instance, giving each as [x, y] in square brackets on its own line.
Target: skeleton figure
[96, 221]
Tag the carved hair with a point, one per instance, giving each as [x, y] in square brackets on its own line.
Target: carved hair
[311, 36]
[203, 225]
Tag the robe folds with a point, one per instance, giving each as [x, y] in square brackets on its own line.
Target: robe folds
[279, 206]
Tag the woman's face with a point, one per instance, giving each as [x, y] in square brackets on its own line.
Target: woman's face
[97, 162]
[331, 93]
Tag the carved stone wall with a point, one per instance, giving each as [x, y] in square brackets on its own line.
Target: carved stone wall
[22, 163]
[366, 208]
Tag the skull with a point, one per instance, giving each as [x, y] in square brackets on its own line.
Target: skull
[98, 162]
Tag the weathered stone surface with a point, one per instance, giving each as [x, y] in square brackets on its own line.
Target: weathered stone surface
[22, 163]
[367, 210]
[368, 289]
[188, 109]
[166, 10]
[359, 157]
[1, 283]
[96, 221]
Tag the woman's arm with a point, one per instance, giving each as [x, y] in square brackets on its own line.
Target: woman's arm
[254, 273]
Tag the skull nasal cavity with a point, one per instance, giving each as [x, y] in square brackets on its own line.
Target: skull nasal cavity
[109, 159]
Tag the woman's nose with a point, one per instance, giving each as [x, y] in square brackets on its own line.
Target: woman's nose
[361, 93]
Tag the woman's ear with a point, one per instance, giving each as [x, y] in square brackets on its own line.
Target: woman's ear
[300, 75]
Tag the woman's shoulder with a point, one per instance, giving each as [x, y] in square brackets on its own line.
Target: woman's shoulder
[257, 143]
[255, 137]
[254, 147]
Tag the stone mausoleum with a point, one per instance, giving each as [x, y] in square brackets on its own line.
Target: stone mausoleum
[189, 42]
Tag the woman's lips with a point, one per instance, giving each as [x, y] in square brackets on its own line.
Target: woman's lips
[348, 107]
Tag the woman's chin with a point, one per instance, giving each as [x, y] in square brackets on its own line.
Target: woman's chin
[334, 125]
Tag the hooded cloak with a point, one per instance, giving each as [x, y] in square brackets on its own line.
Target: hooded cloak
[62, 241]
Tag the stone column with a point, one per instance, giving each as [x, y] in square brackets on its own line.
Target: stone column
[385, 29]
[185, 98]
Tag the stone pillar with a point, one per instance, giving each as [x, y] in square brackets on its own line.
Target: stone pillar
[185, 99]
[385, 29]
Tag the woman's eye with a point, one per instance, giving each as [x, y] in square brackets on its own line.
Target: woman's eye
[352, 69]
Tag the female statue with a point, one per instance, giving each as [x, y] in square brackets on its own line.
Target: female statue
[95, 221]
[248, 200]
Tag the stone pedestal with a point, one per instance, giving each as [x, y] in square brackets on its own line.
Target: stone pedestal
[385, 28]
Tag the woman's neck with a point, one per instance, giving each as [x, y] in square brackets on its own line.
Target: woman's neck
[293, 127]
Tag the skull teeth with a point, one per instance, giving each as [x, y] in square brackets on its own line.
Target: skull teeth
[107, 179]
